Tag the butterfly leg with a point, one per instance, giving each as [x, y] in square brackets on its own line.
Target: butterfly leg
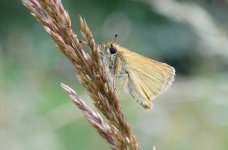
[121, 82]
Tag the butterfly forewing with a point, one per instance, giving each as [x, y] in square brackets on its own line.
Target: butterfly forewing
[147, 78]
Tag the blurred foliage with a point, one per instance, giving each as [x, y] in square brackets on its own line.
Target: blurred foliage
[35, 113]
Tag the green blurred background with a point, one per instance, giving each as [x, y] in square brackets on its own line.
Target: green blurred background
[35, 113]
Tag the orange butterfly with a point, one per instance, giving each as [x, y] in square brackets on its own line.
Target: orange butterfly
[145, 79]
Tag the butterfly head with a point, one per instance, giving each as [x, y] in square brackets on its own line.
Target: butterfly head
[109, 50]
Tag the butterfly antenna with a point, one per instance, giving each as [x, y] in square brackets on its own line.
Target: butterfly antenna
[114, 40]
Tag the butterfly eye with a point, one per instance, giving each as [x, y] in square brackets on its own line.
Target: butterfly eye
[112, 50]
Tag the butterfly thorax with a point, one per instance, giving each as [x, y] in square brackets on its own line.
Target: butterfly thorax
[113, 61]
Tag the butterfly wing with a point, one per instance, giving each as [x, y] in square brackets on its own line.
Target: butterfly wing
[147, 78]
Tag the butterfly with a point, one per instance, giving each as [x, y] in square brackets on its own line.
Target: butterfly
[144, 78]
